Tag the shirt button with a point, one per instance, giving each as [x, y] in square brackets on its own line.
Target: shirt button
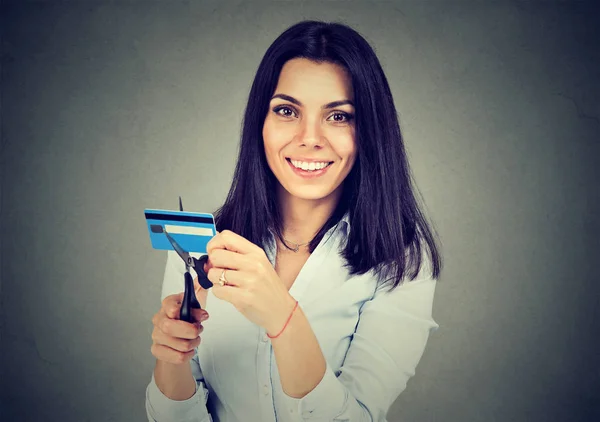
[265, 338]
[266, 390]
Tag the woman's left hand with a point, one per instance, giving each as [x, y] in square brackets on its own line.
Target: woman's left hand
[253, 286]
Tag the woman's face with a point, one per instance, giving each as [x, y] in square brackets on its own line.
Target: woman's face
[309, 129]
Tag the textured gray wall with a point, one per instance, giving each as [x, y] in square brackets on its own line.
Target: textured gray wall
[112, 107]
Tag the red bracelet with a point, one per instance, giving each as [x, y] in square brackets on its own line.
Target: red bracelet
[286, 323]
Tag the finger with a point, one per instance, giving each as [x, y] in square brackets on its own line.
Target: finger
[236, 296]
[224, 258]
[178, 328]
[171, 305]
[233, 277]
[232, 242]
[170, 355]
[180, 344]
[199, 315]
[230, 294]
[157, 317]
[172, 308]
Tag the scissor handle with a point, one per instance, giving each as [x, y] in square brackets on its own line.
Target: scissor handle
[198, 265]
[189, 299]
[189, 296]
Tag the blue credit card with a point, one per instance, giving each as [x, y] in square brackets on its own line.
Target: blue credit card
[191, 230]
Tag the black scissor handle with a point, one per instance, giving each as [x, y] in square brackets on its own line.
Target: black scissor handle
[189, 296]
[189, 299]
[198, 265]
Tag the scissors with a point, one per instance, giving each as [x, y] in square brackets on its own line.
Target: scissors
[189, 296]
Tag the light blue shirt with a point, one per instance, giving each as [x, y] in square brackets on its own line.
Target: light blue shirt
[372, 341]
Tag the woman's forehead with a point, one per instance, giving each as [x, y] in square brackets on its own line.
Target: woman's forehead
[309, 81]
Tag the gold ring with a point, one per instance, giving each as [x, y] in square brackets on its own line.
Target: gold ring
[222, 279]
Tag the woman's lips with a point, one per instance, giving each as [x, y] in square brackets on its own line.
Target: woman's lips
[307, 174]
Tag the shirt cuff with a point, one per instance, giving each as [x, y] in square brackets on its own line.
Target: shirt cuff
[325, 402]
[161, 408]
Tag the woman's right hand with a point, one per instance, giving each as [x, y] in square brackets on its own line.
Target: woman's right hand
[174, 340]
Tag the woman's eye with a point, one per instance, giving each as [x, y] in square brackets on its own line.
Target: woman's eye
[341, 117]
[287, 111]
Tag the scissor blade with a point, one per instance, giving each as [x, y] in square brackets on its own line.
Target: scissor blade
[182, 254]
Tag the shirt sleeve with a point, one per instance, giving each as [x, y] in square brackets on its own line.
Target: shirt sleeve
[160, 408]
[386, 347]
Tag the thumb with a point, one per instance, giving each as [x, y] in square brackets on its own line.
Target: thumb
[172, 305]
[200, 315]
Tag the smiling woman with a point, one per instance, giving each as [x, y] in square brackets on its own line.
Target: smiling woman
[321, 217]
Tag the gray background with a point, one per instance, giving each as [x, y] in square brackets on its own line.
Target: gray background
[112, 107]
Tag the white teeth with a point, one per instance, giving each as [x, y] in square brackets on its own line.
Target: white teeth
[309, 166]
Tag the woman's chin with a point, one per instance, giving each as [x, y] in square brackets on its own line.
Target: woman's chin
[310, 193]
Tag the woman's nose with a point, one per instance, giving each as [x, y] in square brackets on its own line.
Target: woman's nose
[311, 133]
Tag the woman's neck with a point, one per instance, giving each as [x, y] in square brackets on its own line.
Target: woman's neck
[303, 218]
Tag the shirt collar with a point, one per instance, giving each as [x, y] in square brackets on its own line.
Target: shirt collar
[343, 224]
[346, 220]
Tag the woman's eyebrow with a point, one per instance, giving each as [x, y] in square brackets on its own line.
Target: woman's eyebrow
[298, 103]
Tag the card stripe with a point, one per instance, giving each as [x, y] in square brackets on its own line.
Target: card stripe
[192, 230]
[178, 217]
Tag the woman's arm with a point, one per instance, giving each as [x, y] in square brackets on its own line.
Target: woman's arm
[176, 392]
[386, 347]
[299, 358]
[172, 404]
[175, 381]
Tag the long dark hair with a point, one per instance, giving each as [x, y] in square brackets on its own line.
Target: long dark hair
[387, 229]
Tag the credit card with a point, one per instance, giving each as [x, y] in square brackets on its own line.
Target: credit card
[192, 230]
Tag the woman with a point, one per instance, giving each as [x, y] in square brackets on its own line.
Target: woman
[324, 267]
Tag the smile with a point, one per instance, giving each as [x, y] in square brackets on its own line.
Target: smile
[309, 169]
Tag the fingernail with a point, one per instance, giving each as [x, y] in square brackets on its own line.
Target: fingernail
[203, 317]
